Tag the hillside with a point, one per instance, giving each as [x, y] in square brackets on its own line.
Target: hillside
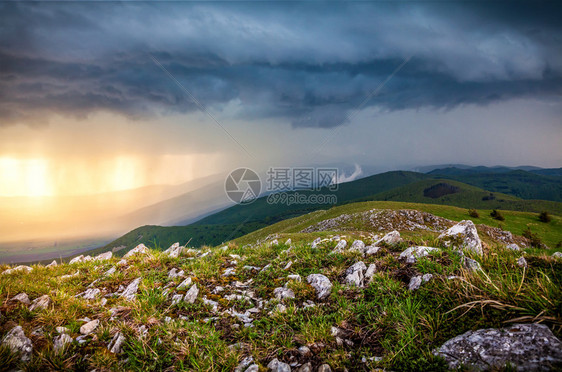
[327, 291]
[261, 210]
[537, 184]
[396, 186]
[449, 192]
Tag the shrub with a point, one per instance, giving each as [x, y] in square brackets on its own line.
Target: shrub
[497, 215]
[544, 217]
[534, 239]
[473, 213]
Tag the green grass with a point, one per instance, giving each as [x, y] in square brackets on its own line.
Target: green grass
[515, 222]
[383, 320]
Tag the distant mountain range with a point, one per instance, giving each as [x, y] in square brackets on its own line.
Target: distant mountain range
[531, 190]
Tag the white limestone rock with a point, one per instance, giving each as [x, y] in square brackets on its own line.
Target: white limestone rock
[321, 283]
[412, 253]
[463, 236]
[18, 343]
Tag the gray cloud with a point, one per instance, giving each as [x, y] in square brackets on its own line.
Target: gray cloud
[308, 63]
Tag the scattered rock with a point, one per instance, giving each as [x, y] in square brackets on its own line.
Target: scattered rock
[392, 238]
[513, 247]
[18, 343]
[276, 366]
[527, 347]
[89, 327]
[176, 299]
[295, 277]
[372, 249]
[471, 264]
[288, 241]
[40, 303]
[315, 243]
[192, 294]
[416, 281]
[139, 249]
[522, 262]
[116, 344]
[463, 235]
[52, 264]
[174, 251]
[321, 283]
[104, 256]
[22, 297]
[175, 273]
[61, 341]
[69, 276]
[110, 272]
[557, 255]
[243, 365]
[370, 272]
[412, 253]
[62, 330]
[357, 246]
[230, 271]
[283, 293]
[77, 259]
[340, 246]
[355, 274]
[17, 269]
[183, 285]
[91, 293]
[324, 368]
[130, 293]
[307, 367]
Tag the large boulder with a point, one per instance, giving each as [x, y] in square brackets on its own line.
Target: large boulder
[527, 347]
[16, 341]
[463, 236]
[321, 283]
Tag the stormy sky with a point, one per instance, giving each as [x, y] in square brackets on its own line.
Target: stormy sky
[260, 83]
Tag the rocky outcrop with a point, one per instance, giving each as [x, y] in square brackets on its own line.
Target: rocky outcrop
[463, 236]
[526, 347]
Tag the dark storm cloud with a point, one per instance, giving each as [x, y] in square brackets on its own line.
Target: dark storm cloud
[310, 63]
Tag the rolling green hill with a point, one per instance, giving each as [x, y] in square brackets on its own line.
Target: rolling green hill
[520, 183]
[448, 192]
[409, 187]
[262, 211]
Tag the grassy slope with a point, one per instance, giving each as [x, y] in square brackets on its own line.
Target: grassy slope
[163, 237]
[241, 219]
[261, 210]
[525, 185]
[467, 197]
[516, 222]
[383, 320]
